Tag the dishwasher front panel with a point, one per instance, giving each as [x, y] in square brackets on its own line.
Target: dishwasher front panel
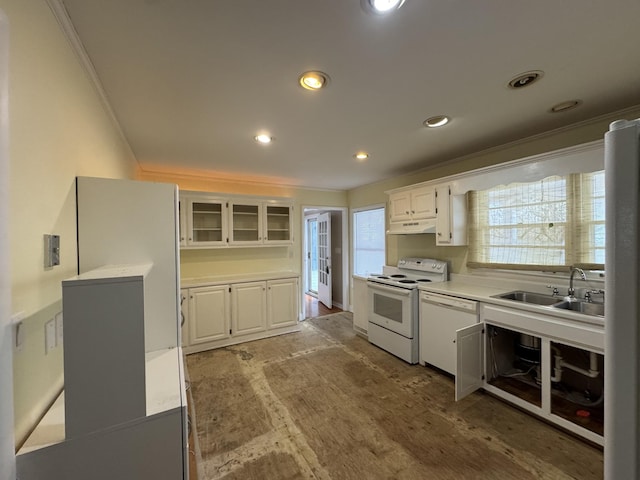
[440, 317]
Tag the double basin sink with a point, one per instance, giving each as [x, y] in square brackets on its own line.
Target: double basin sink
[587, 308]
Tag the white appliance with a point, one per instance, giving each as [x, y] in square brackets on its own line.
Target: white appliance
[622, 309]
[440, 317]
[427, 225]
[393, 304]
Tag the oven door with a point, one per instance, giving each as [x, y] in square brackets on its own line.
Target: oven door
[393, 308]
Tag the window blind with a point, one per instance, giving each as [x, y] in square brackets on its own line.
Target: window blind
[544, 225]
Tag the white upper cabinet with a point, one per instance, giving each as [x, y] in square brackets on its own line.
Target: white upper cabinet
[277, 223]
[255, 223]
[451, 220]
[209, 222]
[415, 204]
[206, 222]
[245, 223]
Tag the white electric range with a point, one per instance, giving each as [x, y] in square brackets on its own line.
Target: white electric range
[393, 304]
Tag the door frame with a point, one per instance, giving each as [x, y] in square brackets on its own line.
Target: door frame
[306, 261]
[307, 211]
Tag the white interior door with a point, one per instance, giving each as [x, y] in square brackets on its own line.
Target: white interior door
[324, 259]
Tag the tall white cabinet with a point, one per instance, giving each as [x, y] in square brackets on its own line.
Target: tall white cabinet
[123, 410]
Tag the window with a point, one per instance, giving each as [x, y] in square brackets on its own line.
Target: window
[368, 240]
[557, 221]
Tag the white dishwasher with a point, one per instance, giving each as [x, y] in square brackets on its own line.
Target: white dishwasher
[440, 317]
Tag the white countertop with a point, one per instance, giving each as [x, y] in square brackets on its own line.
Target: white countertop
[164, 392]
[235, 278]
[485, 293]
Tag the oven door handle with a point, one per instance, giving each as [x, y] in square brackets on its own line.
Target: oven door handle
[393, 290]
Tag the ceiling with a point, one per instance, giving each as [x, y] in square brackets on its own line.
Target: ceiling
[191, 82]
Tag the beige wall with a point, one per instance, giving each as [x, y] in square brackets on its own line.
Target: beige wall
[58, 129]
[7, 459]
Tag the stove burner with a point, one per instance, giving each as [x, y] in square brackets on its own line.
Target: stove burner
[398, 275]
[383, 277]
[423, 280]
[407, 281]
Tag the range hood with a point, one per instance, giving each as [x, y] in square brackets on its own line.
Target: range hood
[411, 227]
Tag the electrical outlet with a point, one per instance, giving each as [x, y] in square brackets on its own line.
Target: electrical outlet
[49, 335]
[59, 335]
[19, 332]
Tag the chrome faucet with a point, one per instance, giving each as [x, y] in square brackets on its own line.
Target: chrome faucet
[572, 291]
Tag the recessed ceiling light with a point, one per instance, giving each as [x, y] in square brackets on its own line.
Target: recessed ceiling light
[564, 106]
[313, 80]
[437, 121]
[381, 6]
[525, 79]
[361, 156]
[263, 138]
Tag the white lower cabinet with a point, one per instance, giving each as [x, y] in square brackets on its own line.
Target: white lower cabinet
[282, 303]
[360, 305]
[227, 314]
[209, 314]
[551, 367]
[248, 308]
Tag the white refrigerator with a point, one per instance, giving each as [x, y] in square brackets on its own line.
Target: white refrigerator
[622, 324]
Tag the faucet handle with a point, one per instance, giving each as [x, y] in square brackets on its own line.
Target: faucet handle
[588, 295]
[554, 290]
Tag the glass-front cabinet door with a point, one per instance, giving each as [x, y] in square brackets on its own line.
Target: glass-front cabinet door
[207, 222]
[245, 223]
[278, 224]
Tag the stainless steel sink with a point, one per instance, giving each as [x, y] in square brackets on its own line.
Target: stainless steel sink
[596, 309]
[586, 308]
[529, 297]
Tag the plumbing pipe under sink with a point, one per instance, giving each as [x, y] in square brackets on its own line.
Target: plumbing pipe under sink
[593, 371]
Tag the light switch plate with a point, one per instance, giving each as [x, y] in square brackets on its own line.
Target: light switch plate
[49, 336]
[59, 334]
[19, 331]
[51, 250]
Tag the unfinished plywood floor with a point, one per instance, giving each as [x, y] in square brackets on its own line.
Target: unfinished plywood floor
[325, 404]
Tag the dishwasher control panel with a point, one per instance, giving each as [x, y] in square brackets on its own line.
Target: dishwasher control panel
[451, 302]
